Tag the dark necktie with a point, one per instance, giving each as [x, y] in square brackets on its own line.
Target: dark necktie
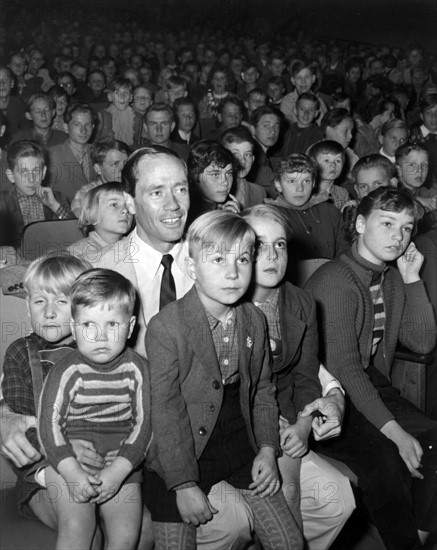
[168, 288]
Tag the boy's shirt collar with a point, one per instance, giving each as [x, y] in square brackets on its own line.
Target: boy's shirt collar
[314, 200]
[426, 132]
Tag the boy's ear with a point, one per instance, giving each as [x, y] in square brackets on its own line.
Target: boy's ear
[27, 115]
[421, 117]
[219, 117]
[97, 169]
[10, 175]
[44, 172]
[2, 130]
[190, 267]
[130, 204]
[173, 124]
[27, 306]
[393, 182]
[278, 186]
[252, 129]
[110, 97]
[360, 224]
[131, 326]
[380, 139]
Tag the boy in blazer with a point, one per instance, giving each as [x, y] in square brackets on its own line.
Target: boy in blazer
[214, 413]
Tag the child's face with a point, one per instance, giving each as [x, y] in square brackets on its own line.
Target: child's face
[222, 273]
[41, 114]
[50, 315]
[306, 112]
[27, 174]
[175, 93]
[80, 128]
[277, 67]
[110, 70]
[272, 255]
[159, 127]
[121, 98]
[141, 100]
[145, 74]
[393, 139]
[17, 66]
[255, 100]
[6, 83]
[413, 169]
[79, 73]
[330, 166]
[429, 117]
[186, 118]
[215, 182]
[96, 83]
[267, 130]
[354, 74]
[275, 92]
[388, 114]
[112, 165]
[342, 133]
[68, 85]
[295, 187]
[113, 216]
[250, 75]
[244, 153]
[101, 331]
[383, 236]
[303, 81]
[370, 179]
[61, 106]
[219, 82]
[230, 116]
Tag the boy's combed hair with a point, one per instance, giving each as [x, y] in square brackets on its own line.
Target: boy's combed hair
[405, 149]
[325, 147]
[309, 96]
[394, 123]
[271, 213]
[54, 273]
[206, 152]
[36, 97]
[334, 117]
[255, 117]
[58, 92]
[388, 199]
[175, 81]
[231, 99]
[374, 161]
[428, 101]
[119, 83]
[90, 208]
[98, 287]
[296, 163]
[237, 134]
[159, 108]
[218, 230]
[24, 148]
[101, 148]
[78, 107]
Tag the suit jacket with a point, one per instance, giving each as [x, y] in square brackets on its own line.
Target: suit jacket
[296, 368]
[11, 217]
[64, 172]
[187, 391]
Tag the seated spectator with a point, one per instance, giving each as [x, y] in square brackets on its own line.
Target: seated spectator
[352, 79]
[40, 111]
[62, 100]
[67, 81]
[175, 87]
[104, 219]
[186, 120]
[249, 76]
[108, 157]
[372, 172]
[36, 68]
[412, 164]
[255, 98]
[159, 124]
[211, 177]
[27, 200]
[329, 157]
[241, 144]
[425, 132]
[23, 88]
[12, 107]
[218, 86]
[300, 135]
[275, 91]
[265, 125]
[392, 135]
[70, 164]
[110, 69]
[338, 125]
[95, 93]
[381, 113]
[119, 120]
[302, 77]
[316, 224]
[229, 115]
[142, 98]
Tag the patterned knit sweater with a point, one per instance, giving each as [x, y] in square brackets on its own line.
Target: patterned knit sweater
[81, 395]
[346, 318]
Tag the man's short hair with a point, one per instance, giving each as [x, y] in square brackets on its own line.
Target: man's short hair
[257, 114]
[78, 107]
[101, 148]
[159, 107]
[309, 97]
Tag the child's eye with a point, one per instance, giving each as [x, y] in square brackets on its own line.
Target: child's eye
[218, 260]
[182, 190]
[408, 229]
[281, 245]
[244, 259]
[387, 224]
[112, 324]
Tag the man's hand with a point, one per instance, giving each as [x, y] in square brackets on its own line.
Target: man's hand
[331, 408]
[194, 506]
[409, 448]
[14, 443]
[265, 473]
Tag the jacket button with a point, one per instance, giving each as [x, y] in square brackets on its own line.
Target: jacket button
[212, 408]
[216, 385]
[203, 430]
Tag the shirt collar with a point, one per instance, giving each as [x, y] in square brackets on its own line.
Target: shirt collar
[154, 257]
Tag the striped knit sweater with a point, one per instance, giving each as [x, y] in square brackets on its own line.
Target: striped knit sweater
[346, 319]
[79, 394]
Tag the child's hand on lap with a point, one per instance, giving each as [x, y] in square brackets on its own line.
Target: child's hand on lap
[294, 437]
[265, 473]
[194, 506]
[111, 478]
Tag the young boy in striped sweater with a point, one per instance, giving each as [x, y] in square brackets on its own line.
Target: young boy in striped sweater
[98, 393]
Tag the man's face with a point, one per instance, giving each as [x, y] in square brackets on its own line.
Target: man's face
[159, 127]
[80, 128]
[41, 114]
[354, 74]
[413, 169]
[161, 201]
[267, 130]
[186, 117]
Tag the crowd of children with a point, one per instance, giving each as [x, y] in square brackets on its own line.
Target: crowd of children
[250, 151]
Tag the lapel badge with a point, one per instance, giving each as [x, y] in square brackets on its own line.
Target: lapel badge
[249, 342]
